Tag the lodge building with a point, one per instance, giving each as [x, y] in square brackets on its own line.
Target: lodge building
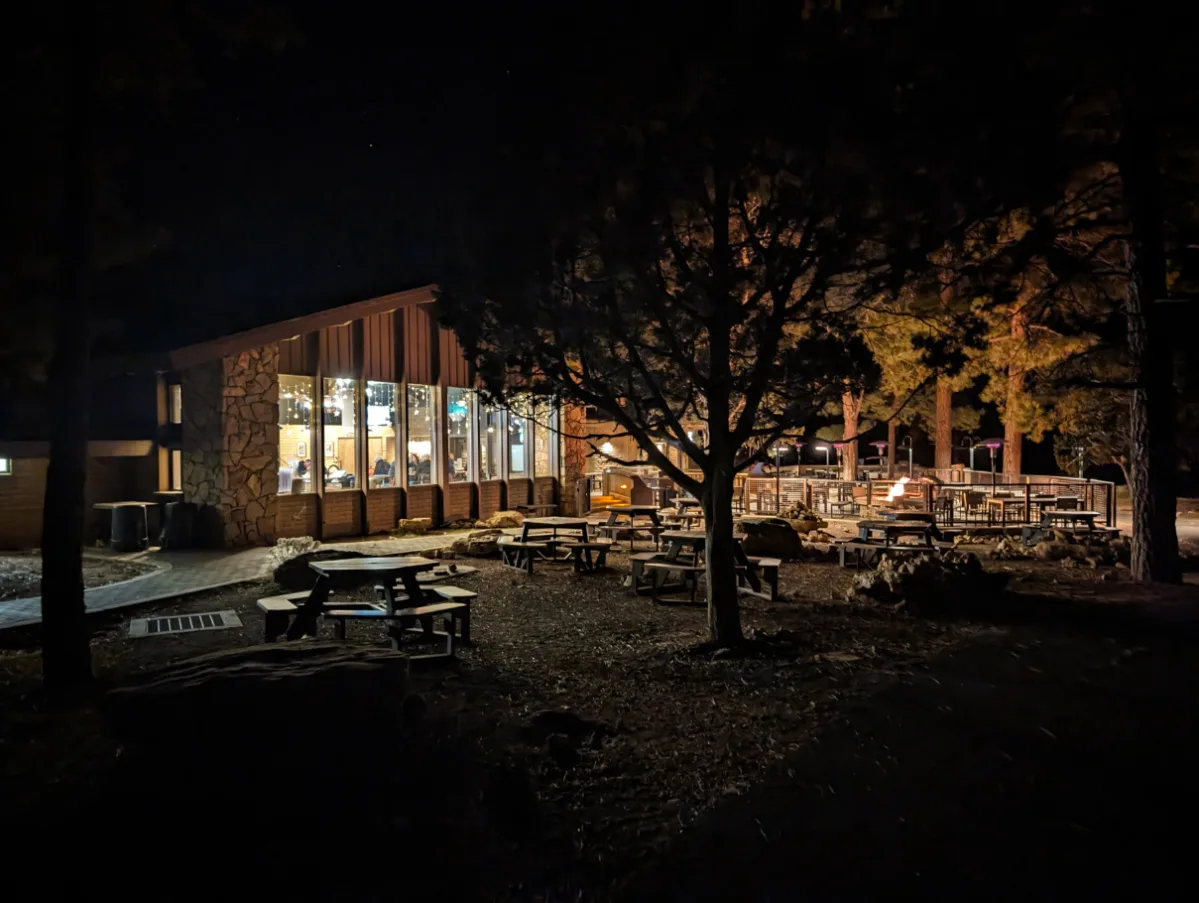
[334, 424]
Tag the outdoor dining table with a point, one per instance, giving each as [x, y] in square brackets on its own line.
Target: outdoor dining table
[353, 572]
[632, 512]
[893, 530]
[1050, 516]
[568, 525]
[1002, 502]
[694, 542]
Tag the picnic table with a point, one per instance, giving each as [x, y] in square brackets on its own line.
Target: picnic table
[924, 517]
[623, 519]
[1068, 518]
[353, 572]
[686, 548]
[534, 508]
[568, 525]
[632, 512]
[878, 536]
[891, 531]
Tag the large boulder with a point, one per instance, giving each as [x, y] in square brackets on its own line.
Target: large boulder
[1054, 550]
[928, 583]
[414, 526]
[502, 519]
[479, 544]
[809, 524]
[294, 574]
[770, 537]
[1009, 549]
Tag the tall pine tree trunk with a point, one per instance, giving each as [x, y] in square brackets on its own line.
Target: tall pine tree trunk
[944, 434]
[724, 611]
[66, 653]
[892, 445]
[851, 409]
[1153, 454]
[1017, 377]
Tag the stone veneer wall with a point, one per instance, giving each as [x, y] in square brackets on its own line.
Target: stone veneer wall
[250, 454]
[230, 442]
[200, 389]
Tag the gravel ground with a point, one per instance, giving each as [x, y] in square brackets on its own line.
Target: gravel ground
[21, 573]
[681, 761]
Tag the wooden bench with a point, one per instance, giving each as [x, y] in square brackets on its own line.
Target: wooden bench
[584, 561]
[689, 572]
[768, 569]
[279, 611]
[520, 555]
[379, 613]
[866, 552]
[655, 533]
[637, 564]
[406, 618]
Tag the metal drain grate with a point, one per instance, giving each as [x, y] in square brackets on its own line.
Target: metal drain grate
[209, 620]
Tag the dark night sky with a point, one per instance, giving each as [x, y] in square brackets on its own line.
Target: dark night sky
[298, 181]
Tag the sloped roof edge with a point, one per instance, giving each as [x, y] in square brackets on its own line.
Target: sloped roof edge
[286, 329]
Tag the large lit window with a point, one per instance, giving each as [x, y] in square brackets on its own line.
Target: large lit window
[382, 433]
[542, 439]
[491, 447]
[5, 466]
[422, 428]
[296, 434]
[460, 435]
[340, 419]
[176, 470]
[175, 404]
[518, 465]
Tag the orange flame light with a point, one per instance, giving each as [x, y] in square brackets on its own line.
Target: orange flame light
[896, 491]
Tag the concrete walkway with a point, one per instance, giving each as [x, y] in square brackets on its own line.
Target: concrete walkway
[183, 573]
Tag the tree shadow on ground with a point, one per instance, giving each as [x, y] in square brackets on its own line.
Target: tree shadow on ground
[1065, 764]
[303, 772]
[1175, 617]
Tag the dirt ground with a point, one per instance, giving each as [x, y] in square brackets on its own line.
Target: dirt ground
[1030, 749]
[21, 573]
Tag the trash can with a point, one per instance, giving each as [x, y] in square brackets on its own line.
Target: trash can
[179, 524]
[129, 529]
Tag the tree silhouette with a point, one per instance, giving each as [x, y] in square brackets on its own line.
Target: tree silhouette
[694, 255]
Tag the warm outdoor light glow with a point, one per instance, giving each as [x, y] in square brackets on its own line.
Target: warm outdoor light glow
[897, 490]
[607, 448]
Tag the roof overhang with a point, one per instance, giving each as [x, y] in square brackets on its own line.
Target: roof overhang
[288, 329]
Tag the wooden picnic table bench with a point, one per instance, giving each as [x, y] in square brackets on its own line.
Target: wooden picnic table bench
[588, 556]
[892, 530]
[865, 552]
[397, 574]
[455, 608]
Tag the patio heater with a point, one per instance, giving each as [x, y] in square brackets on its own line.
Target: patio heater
[992, 446]
[798, 446]
[971, 443]
[879, 447]
[906, 444]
